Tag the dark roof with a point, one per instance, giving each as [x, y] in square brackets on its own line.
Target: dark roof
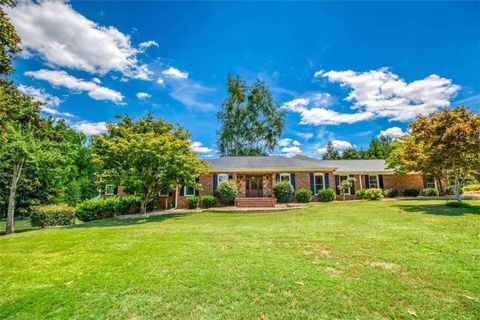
[278, 163]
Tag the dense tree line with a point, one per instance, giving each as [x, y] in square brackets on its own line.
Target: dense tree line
[379, 148]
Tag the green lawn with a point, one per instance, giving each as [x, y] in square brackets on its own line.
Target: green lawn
[385, 259]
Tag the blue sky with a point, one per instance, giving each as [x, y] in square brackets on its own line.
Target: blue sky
[343, 71]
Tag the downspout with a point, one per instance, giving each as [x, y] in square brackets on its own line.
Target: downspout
[176, 198]
[360, 178]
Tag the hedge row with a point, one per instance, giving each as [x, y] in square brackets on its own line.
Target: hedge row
[89, 210]
[52, 215]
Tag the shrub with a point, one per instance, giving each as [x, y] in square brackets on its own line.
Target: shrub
[373, 194]
[450, 190]
[456, 204]
[227, 191]
[192, 202]
[52, 215]
[89, 210]
[411, 192]
[430, 192]
[283, 190]
[208, 201]
[390, 193]
[326, 195]
[303, 195]
[360, 194]
[472, 188]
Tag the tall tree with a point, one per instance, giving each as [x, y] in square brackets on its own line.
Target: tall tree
[148, 156]
[445, 144]
[251, 122]
[352, 153]
[9, 40]
[379, 148]
[331, 153]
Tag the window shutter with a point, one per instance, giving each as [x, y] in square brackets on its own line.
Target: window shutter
[277, 177]
[367, 182]
[337, 183]
[197, 193]
[214, 182]
[182, 191]
[292, 179]
[352, 189]
[424, 181]
[115, 191]
[380, 179]
[230, 176]
[326, 183]
[312, 183]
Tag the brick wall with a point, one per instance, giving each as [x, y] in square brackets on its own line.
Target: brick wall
[206, 182]
[409, 181]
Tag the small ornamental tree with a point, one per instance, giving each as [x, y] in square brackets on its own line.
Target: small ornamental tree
[148, 156]
[344, 186]
[444, 144]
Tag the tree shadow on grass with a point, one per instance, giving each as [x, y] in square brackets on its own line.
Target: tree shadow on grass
[21, 225]
[441, 209]
[115, 222]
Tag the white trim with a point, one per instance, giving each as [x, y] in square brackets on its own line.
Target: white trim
[378, 181]
[285, 174]
[185, 192]
[315, 184]
[113, 191]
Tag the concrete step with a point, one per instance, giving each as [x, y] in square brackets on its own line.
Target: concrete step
[255, 202]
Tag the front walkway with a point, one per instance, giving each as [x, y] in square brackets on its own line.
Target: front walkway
[230, 209]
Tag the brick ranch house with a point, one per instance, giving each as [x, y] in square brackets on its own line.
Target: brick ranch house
[255, 177]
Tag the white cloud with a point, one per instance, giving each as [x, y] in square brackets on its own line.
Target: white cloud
[381, 93]
[50, 102]
[62, 37]
[198, 147]
[90, 128]
[63, 79]
[284, 142]
[393, 132]
[305, 135]
[147, 44]
[322, 116]
[161, 82]
[96, 80]
[291, 151]
[339, 145]
[174, 73]
[189, 93]
[143, 95]
[296, 143]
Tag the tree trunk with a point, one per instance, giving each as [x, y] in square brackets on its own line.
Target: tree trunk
[456, 188]
[17, 170]
[143, 207]
[440, 186]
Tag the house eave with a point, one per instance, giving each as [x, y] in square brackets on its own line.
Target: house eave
[270, 170]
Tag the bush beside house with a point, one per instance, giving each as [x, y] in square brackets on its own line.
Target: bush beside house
[52, 215]
[430, 192]
[474, 188]
[360, 194]
[411, 192]
[192, 202]
[208, 201]
[283, 191]
[303, 195]
[104, 208]
[227, 191]
[373, 194]
[326, 195]
[390, 193]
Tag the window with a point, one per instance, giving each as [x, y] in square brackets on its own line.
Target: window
[343, 178]
[188, 191]
[109, 190]
[285, 177]
[319, 182]
[373, 182]
[222, 177]
[430, 182]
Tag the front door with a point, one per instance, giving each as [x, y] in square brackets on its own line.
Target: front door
[254, 186]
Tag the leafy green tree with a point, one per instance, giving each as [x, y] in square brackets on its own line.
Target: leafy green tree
[352, 153]
[331, 153]
[9, 40]
[251, 122]
[444, 144]
[379, 148]
[148, 156]
[344, 186]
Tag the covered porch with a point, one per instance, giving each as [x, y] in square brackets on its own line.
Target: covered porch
[255, 189]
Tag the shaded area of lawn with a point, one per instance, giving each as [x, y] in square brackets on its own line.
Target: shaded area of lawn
[20, 226]
[377, 259]
[441, 209]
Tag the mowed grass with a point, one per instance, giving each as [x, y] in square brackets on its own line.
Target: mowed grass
[384, 259]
